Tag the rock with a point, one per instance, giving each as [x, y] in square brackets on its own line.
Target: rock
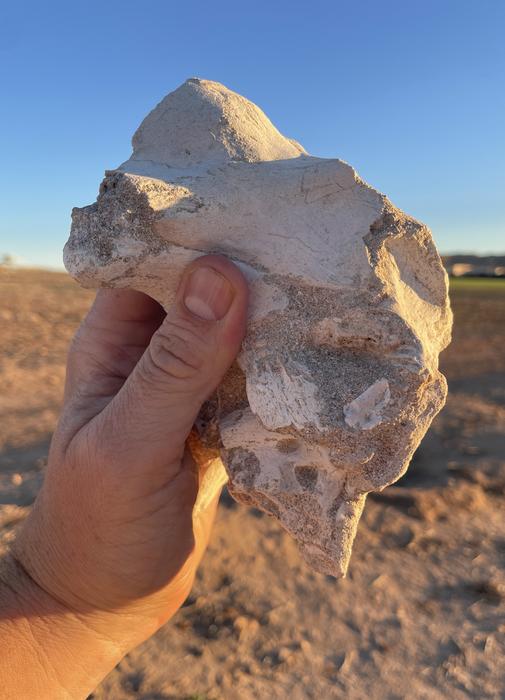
[286, 656]
[247, 627]
[306, 647]
[337, 381]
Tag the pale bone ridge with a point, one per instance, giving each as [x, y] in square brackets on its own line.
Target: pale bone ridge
[338, 379]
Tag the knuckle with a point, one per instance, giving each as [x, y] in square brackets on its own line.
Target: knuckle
[177, 351]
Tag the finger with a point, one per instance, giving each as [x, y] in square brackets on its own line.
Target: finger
[118, 306]
[112, 337]
[185, 361]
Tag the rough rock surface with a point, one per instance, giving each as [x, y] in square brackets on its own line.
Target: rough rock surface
[338, 378]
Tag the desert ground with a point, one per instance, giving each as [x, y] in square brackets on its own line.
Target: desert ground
[421, 613]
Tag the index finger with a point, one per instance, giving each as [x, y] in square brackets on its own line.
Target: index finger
[112, 337]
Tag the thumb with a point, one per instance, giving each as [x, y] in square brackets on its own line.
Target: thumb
[153, 413]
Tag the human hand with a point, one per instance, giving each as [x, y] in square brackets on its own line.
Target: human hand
[111, 536]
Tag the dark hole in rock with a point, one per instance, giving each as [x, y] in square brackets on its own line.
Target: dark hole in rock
[306, 477]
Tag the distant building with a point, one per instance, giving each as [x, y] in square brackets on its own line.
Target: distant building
[6, 260]
[460, 269]
[475, 265]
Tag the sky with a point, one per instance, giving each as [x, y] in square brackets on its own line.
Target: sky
[412, 94]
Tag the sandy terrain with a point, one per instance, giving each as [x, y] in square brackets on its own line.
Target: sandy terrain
[422, 612]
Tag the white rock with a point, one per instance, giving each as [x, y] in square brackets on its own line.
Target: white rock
[337, 381]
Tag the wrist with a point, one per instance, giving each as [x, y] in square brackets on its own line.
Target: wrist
[51, 652]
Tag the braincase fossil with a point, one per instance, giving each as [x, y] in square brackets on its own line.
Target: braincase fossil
[338, 379]
[204, 122]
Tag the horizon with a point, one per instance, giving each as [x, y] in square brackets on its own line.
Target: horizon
[408, 96]
[18, 263]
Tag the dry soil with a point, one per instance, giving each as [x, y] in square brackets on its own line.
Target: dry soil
[422, 611]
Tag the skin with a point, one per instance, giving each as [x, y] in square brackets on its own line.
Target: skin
[110, 549]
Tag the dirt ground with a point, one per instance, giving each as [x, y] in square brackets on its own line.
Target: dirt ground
[422, 611]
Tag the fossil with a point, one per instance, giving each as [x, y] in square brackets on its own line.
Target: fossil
[337, 380]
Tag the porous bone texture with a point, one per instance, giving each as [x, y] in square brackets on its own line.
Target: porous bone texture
[337, 380]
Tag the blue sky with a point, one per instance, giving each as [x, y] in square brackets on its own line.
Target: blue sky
[412, 94]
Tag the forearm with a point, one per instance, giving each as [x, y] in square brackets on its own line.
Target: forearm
[47, 650]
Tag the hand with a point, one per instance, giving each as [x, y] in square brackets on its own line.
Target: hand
[111, 538]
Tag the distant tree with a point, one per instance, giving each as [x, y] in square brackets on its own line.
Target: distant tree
[6, 260]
